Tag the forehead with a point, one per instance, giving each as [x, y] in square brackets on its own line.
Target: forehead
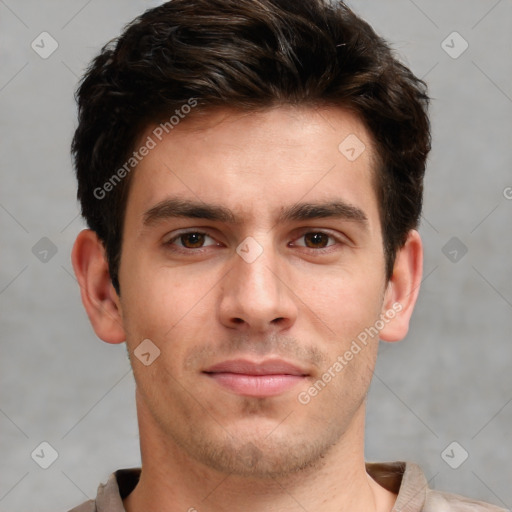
[259, 162]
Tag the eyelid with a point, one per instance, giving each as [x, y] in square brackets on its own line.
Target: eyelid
[338, 238]
[332, 241]
[175, 235]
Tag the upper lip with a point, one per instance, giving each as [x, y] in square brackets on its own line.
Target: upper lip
[246, 367]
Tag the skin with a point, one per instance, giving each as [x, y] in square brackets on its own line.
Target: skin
[202, 445]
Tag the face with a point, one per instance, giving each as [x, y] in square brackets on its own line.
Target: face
[253, 259]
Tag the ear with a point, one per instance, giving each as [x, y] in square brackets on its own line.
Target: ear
[403, 288]
[98, 295]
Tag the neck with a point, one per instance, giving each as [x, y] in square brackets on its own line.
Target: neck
[172, 481]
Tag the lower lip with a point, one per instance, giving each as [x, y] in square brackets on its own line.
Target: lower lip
[256, 385]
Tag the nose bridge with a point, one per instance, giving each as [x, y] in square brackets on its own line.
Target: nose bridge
[253, 293]
[255, 270]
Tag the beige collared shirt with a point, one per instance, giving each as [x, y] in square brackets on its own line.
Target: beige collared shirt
[403, 478]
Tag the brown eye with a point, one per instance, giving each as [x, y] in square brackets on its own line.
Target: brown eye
[192, 240]
[316, 240]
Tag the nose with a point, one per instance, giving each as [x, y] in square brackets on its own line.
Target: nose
[256, 295]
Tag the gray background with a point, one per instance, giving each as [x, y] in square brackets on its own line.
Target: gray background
[450, 380]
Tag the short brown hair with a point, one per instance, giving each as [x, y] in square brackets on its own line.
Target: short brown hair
[248, 55]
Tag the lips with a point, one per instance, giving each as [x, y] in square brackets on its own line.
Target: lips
[262, 379]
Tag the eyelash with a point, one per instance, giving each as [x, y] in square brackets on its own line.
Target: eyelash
[186, 250]
[189, 251]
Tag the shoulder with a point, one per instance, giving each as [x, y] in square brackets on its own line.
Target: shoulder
[88, 506]
[415, 495]
[111, 494]
[437, 501]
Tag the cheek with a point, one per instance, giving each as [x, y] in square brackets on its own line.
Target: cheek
[156, 297]
[346, 302]
[172, 309]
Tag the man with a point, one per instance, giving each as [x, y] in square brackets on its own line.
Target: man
[251, 172]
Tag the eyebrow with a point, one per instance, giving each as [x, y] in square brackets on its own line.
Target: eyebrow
[185, 208]
[330, 209]
[174, 207]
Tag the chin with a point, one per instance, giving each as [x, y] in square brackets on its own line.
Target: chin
[260, 458]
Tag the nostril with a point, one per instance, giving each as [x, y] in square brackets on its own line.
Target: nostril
[277, 320]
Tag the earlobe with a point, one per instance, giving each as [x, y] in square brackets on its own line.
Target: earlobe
[98, 295]
[403, 288]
